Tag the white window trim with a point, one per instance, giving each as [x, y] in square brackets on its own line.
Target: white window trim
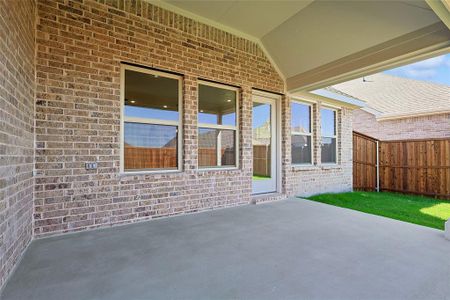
[216, 126]
[311, 133]
[123, 119]
[336, 134]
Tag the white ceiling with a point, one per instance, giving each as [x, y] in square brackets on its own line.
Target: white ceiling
[256, 18]
[300, 36]
[325, 31]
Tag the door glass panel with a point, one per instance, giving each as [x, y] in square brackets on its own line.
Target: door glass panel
[262, 140]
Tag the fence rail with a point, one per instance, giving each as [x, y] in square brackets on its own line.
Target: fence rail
[409, 166]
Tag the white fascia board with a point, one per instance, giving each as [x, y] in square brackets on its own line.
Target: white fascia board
[312, 97]
[330, 96]
[386, 117]
[441, 9]
[372, 111]
[220, 26]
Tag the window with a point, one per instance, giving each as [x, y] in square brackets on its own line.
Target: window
[328, 129]
[217, 125]
[151, 120]
[301, 133]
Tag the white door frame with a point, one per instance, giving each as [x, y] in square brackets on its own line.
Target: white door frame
[275, 100]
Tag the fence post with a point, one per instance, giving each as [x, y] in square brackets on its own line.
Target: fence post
[378, 167]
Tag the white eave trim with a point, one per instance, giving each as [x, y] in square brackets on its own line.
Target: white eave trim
[380, 116]
[327, 96]
[372, 111]
[441, 9]
[386, 117]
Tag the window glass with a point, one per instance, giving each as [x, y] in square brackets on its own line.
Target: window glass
[301, 133]
[300, 117]
[216, 106]
[151, 120]
[207, 147]
[217, 116]
[150, 146]
[328, 152]
[262, 140]
[150, 96]
[216, 142]
[328, 130]
[261, 122]
[301, 149]
[328, 122]
[228, 148]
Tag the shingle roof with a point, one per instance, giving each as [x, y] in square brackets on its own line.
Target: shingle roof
[397, 96]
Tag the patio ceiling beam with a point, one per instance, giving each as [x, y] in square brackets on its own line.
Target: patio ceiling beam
[441, 9]
[410, 47]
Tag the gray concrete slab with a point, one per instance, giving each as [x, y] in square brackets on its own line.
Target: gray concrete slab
[293, 249]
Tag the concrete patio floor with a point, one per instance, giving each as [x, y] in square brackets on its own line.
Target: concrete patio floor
[292, 249]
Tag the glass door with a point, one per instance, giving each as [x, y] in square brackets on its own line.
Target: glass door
[264, 145]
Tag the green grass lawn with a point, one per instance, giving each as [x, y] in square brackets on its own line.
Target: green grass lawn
[414, 209]
[259, 177]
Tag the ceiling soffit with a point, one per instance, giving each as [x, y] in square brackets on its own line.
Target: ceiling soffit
[311, 41]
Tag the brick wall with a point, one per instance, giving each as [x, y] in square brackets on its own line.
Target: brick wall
[16, 130]
[321, 178]
[79, 50]
[425, 127]
[80, 45]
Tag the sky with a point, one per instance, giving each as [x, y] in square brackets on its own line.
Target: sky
[436, 69]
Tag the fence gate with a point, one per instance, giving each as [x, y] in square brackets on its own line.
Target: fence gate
[364, 162]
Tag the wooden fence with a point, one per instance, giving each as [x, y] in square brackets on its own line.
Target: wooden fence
[408, 166]
[416, 166]
[163, 158]
[261, 160]
[137, 158]
[208, 157]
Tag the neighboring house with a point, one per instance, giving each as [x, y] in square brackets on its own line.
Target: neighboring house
[399, 108]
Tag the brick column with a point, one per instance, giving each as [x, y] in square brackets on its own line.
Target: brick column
[286, 163]
[190, 132]
[317, 139]
[245, 139]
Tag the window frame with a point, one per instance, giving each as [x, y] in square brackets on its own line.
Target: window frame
[335, 110]
[311, 134]
[179, 123]
[216, 126]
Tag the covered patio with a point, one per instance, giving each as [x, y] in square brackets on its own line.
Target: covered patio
[280, 250]
[115, 112]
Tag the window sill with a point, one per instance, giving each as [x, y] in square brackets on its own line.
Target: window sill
[296, 168]
[215, 169]
[156, 172]
[304, 167]
[330, 166]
